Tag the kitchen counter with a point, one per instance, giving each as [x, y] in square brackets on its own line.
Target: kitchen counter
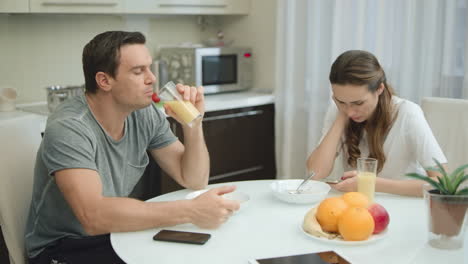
[236, 100]
[17, 116]
[11, 115]
[214, 102]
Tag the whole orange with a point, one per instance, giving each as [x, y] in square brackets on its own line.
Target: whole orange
[328, 213]
[356, 199]
[356, 224]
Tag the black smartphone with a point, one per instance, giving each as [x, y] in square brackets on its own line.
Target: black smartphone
[182, 237]
[331, 181]
[327, 257]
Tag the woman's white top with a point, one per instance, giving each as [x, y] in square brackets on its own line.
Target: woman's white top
[410, 145]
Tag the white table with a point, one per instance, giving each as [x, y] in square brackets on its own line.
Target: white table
[266, 227]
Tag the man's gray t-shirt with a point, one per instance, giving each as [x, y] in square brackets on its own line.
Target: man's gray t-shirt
[74, 139]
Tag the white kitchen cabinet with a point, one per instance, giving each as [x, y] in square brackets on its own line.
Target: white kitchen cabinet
[76, 6]
[166, 7]
[188, 7]
[249, 154]
[14, 6]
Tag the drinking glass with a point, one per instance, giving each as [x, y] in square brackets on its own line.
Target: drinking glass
[367, 174]
[184, 110]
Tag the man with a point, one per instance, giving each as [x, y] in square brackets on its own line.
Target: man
[94, 152]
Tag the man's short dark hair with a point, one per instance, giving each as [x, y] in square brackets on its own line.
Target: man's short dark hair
[102, 54]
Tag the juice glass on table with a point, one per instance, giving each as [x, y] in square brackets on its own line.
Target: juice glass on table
[367, 174]
[184, 110]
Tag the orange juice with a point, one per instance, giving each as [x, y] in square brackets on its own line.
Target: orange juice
[366, 184]
[184, 110]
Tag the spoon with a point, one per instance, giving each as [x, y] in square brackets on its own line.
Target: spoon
[299, 190]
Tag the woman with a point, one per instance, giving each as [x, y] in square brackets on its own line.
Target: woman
[368, 120]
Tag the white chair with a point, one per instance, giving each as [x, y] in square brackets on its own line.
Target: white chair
[19, 141]
[448, 119]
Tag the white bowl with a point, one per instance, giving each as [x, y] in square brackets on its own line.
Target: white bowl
[313, 192]
[236, 195]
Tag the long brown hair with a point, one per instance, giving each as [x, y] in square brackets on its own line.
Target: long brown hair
[358, 67]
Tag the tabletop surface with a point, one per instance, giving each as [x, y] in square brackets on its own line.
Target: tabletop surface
[266, 227]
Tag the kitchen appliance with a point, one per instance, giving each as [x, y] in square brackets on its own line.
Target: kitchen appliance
[217, 69]
[57, 94]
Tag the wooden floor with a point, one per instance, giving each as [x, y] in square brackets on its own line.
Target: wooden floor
[3, 250]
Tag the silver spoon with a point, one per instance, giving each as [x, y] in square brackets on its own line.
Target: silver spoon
[299, 190]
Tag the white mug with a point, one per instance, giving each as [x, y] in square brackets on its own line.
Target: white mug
[7, 99]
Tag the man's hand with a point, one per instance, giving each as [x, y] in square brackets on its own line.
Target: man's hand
[191, 94]
[211, 209]
[348, 183]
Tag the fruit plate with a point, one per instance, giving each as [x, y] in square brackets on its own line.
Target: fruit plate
[340, 241]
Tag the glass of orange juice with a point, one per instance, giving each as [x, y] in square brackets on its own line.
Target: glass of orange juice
[367, 174]
[184, 110]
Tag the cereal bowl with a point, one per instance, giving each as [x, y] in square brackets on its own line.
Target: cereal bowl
[313, 191]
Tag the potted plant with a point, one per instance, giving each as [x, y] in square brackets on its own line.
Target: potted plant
[447, 203]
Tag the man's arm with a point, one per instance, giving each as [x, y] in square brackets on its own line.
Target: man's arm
[189, 165]
[82, 188]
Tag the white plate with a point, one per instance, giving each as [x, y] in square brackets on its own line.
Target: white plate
[236, 195]
[340, 241]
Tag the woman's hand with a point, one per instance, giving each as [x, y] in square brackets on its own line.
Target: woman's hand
[341, 116]
[348, 183]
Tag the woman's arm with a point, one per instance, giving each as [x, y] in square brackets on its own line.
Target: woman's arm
[400, 187]
[323, 157]
[405, 187]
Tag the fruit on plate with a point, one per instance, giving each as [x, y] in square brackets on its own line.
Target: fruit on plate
[349, 217]
[356, 199]
[356, 224]
[311, 225]
[381, 217]
[329, 211]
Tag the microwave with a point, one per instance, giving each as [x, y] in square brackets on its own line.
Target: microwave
[217, 69]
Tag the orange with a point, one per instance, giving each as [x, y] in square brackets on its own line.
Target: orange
[329, 212]
[356, 224]
[356, 199]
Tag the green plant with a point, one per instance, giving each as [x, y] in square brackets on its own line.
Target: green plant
[448, 183]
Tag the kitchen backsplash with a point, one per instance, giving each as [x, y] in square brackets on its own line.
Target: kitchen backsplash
[37, 51]
[42, 50]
